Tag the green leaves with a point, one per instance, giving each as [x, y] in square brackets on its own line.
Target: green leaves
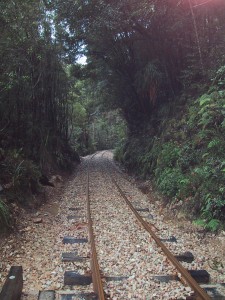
[170, 181]
[211, 110]
[215, 144]
[34, 105]
[212, 225]
[192, 168]
[169, 155]
[205, 99]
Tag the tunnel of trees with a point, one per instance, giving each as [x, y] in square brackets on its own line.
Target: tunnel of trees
[153, 87]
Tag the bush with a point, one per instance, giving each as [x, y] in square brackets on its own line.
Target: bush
[186, 156]
[170, 181]
[19, 176]
[119, 152]
[212, 225]
[189, 157]
[168, 156]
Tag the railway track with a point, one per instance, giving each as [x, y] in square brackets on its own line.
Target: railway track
[103, 275]
[184, 274]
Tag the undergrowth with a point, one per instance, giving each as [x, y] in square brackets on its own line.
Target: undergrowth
[19, 176]
[186, 158]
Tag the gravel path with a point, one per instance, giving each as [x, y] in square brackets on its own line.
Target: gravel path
[123, 247]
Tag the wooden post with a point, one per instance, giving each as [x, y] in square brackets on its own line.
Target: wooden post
[13, 286]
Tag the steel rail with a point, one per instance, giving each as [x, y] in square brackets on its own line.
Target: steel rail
[201, 294]
[96, 276]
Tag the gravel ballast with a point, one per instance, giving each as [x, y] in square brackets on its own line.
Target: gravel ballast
[125, 250]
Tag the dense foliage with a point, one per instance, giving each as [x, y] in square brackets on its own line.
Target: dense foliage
[142, 53]
[34, 106]
[186, 159]
[94, 126]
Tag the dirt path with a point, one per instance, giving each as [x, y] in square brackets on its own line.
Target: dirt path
[37, 245]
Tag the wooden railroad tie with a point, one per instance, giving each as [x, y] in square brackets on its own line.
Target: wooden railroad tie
[200, 276]
[82, 296]
[72, 240]
[186, 257]
[72, 257]
[74, 278]
[13, 286]
[46, 295]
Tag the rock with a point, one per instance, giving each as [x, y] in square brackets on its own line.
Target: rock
[26, 229]
[58, 285]
[37, 220]
[56, 178]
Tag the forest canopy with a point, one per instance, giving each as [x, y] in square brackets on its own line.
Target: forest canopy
[144, 53]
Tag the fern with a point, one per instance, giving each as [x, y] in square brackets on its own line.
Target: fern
[205, 99]
[199, 222]
[213, 225]
[214, 143]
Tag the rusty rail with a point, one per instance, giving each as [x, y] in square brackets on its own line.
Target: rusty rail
[201, 294]
[96, 276]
